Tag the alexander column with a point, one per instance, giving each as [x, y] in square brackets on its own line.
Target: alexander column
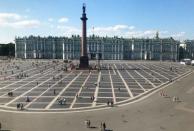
[84, 62]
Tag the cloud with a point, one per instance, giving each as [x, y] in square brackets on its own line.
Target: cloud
[50, 19]
[13, 20]
[114, 28]
[4, 17]
[63, 20]
[26, 24]
[179, 34]
[120, 31]
[122, 27]
[69, 30]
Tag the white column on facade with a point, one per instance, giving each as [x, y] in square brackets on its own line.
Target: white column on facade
[65, 48]
[152, 50]
[25, 50]
[63, 51]
[70, 55]
[118, 52]
[145, 55]
[112, 57]
[94, 46]
[34, 49]
[53, 43]
[37, 48]
[67, 51]
[73, 49]
[97, 45]
[132, 47]
[34, 54]
[115, 52]
[16, 49]
[43, 48]
[141, 51]
[177, 54]
[102, 50]
[161, 52]
[150, 57]
[171, 48]
[122, 52]
[40, 50]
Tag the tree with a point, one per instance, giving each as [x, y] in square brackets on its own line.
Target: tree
[7, 49]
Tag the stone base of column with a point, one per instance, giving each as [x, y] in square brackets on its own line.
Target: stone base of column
[84, 62]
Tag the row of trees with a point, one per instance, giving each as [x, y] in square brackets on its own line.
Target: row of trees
[7, 49]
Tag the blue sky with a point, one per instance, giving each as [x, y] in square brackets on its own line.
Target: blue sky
[126, 18]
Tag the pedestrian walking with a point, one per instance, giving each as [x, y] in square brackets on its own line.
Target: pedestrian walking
[27, 99]
[89, 123]
[77, 95]
[174, 99]
[104, 126]
[18, 105]
[108, 103]
[177, 99]
[111, 103]
[60, 102]
[21, 106]
[54, 91]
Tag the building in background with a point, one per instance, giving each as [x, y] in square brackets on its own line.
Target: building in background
[188, 49]
[105, 48]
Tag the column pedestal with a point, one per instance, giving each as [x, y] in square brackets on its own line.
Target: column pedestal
[84, 62]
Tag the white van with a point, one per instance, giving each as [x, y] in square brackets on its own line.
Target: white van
[192, 62]
[182, 63]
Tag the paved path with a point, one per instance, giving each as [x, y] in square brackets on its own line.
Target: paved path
[152, 114]
[119, 82]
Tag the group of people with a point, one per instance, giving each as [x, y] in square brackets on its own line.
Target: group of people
[110, 103]
[102, 125]
[163, 93]
[87, 123]
[174, 98]
[21, 75]
[27, 99]
[10, 93]
[20, 106]
[61, 101]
